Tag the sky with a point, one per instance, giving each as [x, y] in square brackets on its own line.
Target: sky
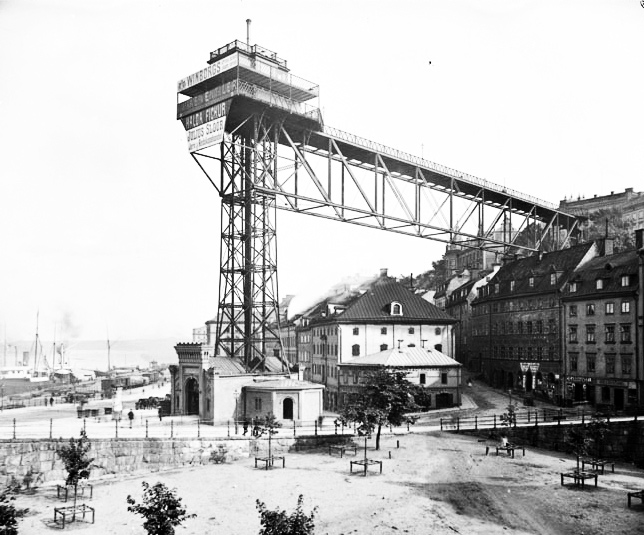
[107, 226]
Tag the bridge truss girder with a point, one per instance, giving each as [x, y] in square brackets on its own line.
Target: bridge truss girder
[267, 162]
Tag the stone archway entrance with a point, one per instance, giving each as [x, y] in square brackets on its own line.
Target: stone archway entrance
[191, 396]
[287, 409]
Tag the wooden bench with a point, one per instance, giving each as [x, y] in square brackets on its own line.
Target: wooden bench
[71, 511]
[596, 464]
[67, 489]
[365, 463]
[270, 461]
[343, 448]
[578, 477]
[636, 494]
[508, 447]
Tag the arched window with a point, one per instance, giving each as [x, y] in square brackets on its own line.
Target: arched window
[355, 350]
[396, 309]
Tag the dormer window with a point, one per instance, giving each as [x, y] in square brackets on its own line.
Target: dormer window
[625, 280]
[396, 309]
[511, 286]
[553, 279]
[599, 284]
[573, 287]
[531, 282]
[496, 288]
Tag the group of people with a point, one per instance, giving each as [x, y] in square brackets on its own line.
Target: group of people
[256, 431]
[51, 401]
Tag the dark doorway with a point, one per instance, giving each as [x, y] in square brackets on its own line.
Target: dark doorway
[619, 399]
[287, 410]
[510, 383]
[528, 380]
[444, 400]
[192, 397]
[580, 392]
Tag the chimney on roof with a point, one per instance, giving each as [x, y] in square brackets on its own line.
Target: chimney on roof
[383, 272]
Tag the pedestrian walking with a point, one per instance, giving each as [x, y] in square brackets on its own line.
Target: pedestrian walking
[130, 415]
[45, 402]
[160, 414]
[51, 401]
[245, 424]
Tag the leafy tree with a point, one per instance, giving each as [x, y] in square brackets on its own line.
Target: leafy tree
[267, 425]
[280, 523]
[386, 398]
[597, 429]
[9, 514]
[161, 509]
[578, 440]
[77, 462]
[509, 419]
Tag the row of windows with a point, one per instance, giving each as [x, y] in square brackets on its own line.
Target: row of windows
[357, 377]
[527, 327]
[383, 330]
[530, 353]
[624, 282]
[325, 349]
[609, 309]
[326, 331]
[609, 333]
[626, 362]
[514, 305]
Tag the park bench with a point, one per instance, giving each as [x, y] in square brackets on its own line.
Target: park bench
[69, 512]
[509, 448]
[65, 490]
[270, 461]
[578, 477]
[365, 463]
[596, 464]
[636, 494]
[343, 448]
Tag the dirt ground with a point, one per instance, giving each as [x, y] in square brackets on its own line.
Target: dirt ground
[434, 483]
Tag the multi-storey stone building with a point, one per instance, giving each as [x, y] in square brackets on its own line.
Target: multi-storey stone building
[603, 362]
[516, 321]
[380, 316]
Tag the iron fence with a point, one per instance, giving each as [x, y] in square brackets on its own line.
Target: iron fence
[524, 417]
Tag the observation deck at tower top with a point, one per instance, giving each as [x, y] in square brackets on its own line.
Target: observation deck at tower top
[256, 80]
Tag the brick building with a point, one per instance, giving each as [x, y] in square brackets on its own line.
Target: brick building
[603, 363]
[516, 321]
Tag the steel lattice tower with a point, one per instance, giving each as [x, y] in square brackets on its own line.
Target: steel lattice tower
[256, 131]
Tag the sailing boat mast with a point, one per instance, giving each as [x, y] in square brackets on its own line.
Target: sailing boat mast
[36, 343]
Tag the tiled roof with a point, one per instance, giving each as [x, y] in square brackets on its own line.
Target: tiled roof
[373, 306]
[404, 357]
[520, 271]
[610, 269]
[226, 365]
[284, 384]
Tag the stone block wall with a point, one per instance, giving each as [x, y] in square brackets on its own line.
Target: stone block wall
[35, 462]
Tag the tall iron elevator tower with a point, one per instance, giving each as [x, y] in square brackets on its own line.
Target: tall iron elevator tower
[256, 132]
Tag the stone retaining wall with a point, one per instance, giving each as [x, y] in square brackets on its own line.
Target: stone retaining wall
[35, 462]
[623, 442]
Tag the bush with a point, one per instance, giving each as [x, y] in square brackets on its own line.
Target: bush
[9, 515]
[280, 523]
[161, 509]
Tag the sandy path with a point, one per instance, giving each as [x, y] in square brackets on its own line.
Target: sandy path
[435, 483]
